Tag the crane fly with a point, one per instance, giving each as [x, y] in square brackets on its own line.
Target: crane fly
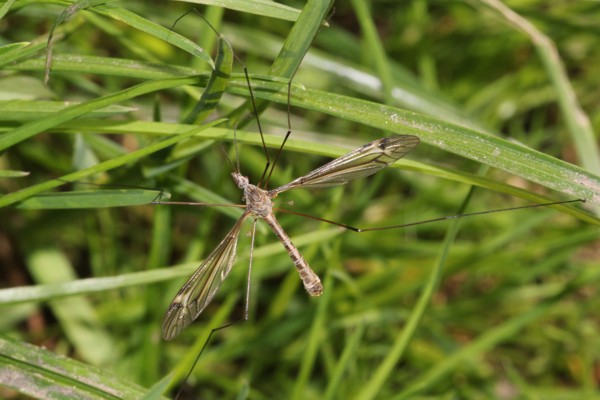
[202, 286]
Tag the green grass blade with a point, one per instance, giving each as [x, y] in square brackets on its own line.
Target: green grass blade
[374, 385]
[151, 28]
[35, 127]
[91, 199]
[578, 122]
[216, 84]
[41, 374]
[495, 152]
[347, 358]
[70, 63]
[296, 45]
[373, 42]
[77, 317]
[264, 8]
[22, 294]
[315, 338]
[6, 7]
[487, 341]
[13, 174]
[105, 166]
[300, 37]
[27, 110]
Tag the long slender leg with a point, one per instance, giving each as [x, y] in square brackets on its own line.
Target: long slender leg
[247, 304]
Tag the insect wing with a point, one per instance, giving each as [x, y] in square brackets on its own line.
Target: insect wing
[357, 164]
[200, 289]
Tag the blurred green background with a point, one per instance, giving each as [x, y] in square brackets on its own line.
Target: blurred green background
[501, 305]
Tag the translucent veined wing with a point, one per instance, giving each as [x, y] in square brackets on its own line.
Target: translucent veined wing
[200, 289]
[364, 161]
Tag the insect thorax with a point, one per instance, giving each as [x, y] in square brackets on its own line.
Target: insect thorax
[258, 201]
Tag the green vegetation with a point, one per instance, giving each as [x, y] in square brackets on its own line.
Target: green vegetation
[500, 305]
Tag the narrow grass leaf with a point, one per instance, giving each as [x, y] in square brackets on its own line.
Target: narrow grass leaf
[104, 166]
[138, 69]
[485, 342]
[151, 28]
[216, 84]
[349, 355]
[296, 45]
[27, 110]
[5, 8]
[577, 120]
[76, 315]
[375, 48]
[91, 199]
[7, 49]
[259, 7]
[315, 337]
[38, 126]
[12, 174]
[496, 152]
[376, 383]
[41, 374]
[16, 295]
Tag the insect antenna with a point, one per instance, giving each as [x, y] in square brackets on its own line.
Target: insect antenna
[289, 130]
[260, 131]
[237, 163]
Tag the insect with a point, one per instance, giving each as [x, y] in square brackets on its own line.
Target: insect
[202, 286]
